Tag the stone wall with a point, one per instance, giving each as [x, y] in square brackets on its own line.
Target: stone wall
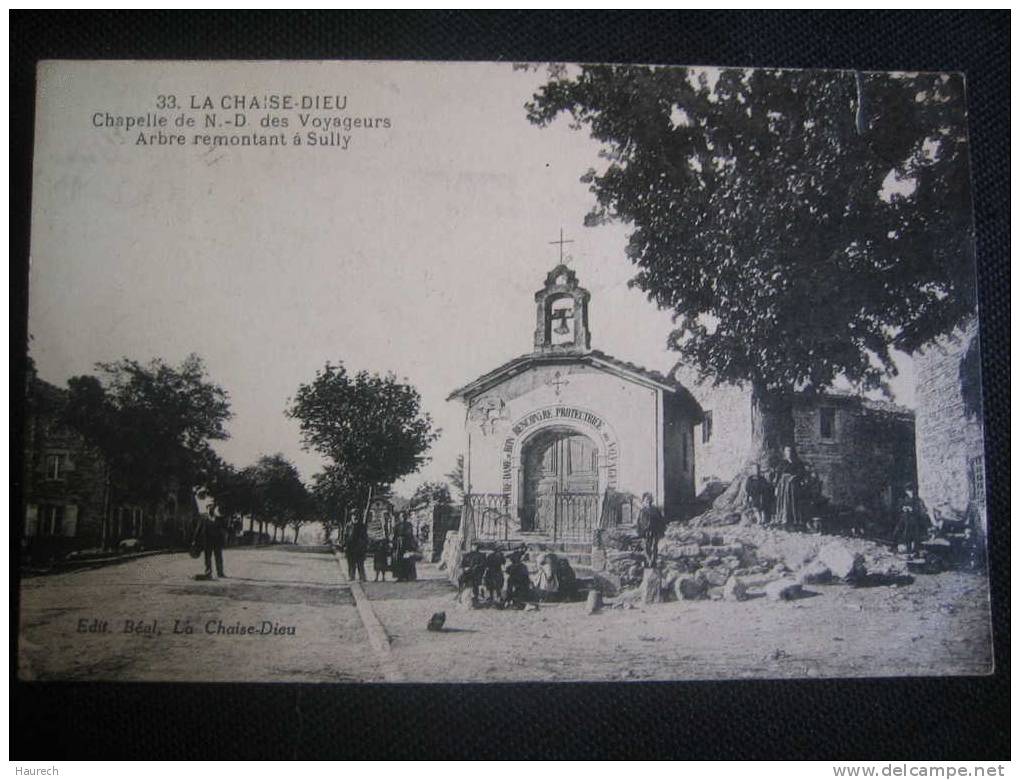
[728, 446]
[679, 459]
[868, 458]
[80, 486]
[950, 434]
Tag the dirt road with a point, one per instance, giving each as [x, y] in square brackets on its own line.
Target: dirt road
[286, 614]
[282, 615]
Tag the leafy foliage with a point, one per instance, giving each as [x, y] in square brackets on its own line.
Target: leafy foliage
[371, 427]
[798, 224]
[456, 478]
[153, 423]
[280, 497]
[431, 492]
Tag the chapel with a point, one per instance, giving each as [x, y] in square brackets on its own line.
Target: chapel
[563, 440]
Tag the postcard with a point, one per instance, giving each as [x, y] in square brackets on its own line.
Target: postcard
[491, 372]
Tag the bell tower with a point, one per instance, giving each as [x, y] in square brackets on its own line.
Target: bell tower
[562, 314]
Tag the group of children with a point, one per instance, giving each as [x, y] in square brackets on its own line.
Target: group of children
[504, 581]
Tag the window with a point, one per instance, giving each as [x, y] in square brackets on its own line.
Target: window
[706, 427]
[976, 479]
[56, 465]
[51, 520]
[827, 422]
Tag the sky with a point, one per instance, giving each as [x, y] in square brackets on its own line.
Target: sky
[416, 250]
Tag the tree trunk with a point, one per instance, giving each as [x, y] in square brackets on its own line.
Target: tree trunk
[771, 431]
[297, 530]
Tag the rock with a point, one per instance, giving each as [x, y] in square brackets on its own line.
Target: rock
[436, 621]
[594, 603]
[607, 583]
[815, 573]
[690, 587]
[531, 608]
[734, 590]
[651, 587]
[623, 555]
[717, 575]
[783, 590]
[841, 560]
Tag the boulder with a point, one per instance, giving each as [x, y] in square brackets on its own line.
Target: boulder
[651, 587]
[734, 590]
[784, 590]
[690, 587]
[716, 575]
[841, 561]
[607, 583]
[815, 573]
[594, 603]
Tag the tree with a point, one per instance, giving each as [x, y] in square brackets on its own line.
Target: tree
[431, 492]
[370, 427]
[799, 225]
[456, 478]
[152, 423]
[335, 494]
[280, 498]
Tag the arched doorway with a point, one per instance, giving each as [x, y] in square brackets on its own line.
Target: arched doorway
[561, 484]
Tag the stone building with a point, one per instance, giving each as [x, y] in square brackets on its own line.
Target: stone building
[67, 494]
[950, 435]
[64, 479]
[862, 450]
[551, 433]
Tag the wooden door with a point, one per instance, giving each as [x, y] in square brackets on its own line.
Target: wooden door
[557, 466]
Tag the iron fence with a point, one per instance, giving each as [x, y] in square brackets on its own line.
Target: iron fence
[489, 514]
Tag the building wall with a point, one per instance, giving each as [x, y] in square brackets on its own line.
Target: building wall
[79, 487]
[680, 459]
[727, 448]
[627, 427]
[950, 436]
[869, 458]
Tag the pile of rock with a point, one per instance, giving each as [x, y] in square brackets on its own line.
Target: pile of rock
[742, 564]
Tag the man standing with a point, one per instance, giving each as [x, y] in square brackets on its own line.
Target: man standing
[355, 549]
[652, 526]
[212, 528]
[759, 496]
[912, 526]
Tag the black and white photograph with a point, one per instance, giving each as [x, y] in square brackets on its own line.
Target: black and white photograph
[478, 372]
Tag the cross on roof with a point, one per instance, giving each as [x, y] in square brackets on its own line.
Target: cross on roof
[561, 242]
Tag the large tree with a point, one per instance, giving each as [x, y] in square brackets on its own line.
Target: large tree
[799, 225]
[280, 498]
[153, 424]
[370, 427]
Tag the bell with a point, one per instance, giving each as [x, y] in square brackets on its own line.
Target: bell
[562, 315]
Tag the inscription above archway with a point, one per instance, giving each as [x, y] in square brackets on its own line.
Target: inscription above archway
[550, 415]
